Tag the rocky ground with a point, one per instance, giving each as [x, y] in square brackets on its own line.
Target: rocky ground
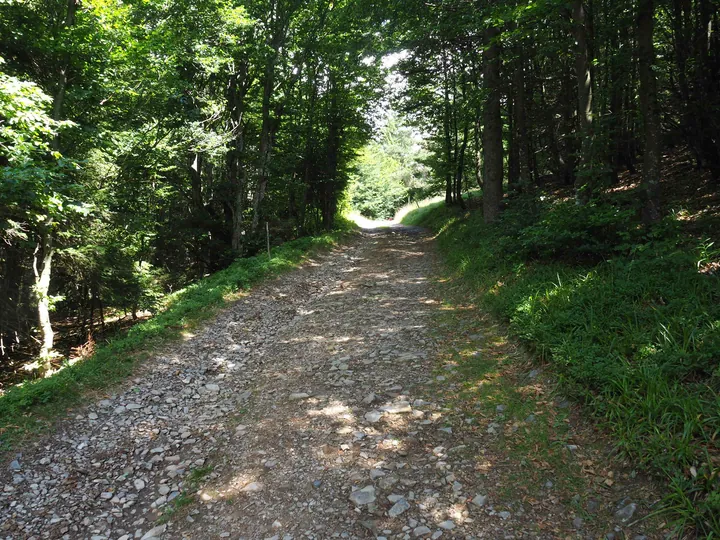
[342, 400]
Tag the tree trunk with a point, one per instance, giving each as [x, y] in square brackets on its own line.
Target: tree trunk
[447, 136]
[513, 165]
[584, 179]
[460, 172]
[240, 84]
[649, 105]
[493, 130]
[42, 264]
[265, 141]
[520, 121]
[477, 132]
[61, 86]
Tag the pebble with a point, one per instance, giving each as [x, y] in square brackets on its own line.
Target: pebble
[397, 408]
[363, 496]
[398, 508]
[155, 532]
[626, 512]
[480, 500]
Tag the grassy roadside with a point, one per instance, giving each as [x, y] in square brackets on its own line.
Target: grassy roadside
[628, 320]
[33, 405]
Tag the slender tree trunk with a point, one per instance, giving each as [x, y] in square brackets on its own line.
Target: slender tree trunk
[447, 135]
[649, 105]
[493, 130]
[239, 86]
[265, 142]
[523, 144]
[513, 165]
[42, 265]
[460, 172]
[62, 81]
[584, 180]
[477, 133]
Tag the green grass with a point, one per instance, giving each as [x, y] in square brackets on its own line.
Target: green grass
[491, 371]
[33, 405]
[625, 318]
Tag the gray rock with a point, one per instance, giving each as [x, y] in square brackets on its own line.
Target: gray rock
[626, 512]
[363, 496]
[211, 387]
[15, 465]
[252, 487]
[155, 532]
[373, 416]
[448, 525]
[139, 484]
[298, 396]
[504, 514]
[480, 500]
[578, 522]
[398, 508]
[397, 408]
[420, 531]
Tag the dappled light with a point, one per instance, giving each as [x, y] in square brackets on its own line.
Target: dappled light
[319, 269]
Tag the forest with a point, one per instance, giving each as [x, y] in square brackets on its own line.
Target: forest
[148, 144]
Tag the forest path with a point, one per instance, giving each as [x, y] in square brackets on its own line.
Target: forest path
[341, 400]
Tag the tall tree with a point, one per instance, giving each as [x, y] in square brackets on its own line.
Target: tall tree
[492, 128]
[649, 106]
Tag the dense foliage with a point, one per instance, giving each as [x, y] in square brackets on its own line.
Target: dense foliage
[578, 91]
[146, 144]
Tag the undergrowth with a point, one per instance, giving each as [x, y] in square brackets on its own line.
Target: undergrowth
[626, 317]
[32, 405]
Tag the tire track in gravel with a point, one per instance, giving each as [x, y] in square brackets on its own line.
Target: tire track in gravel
[312, 408]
